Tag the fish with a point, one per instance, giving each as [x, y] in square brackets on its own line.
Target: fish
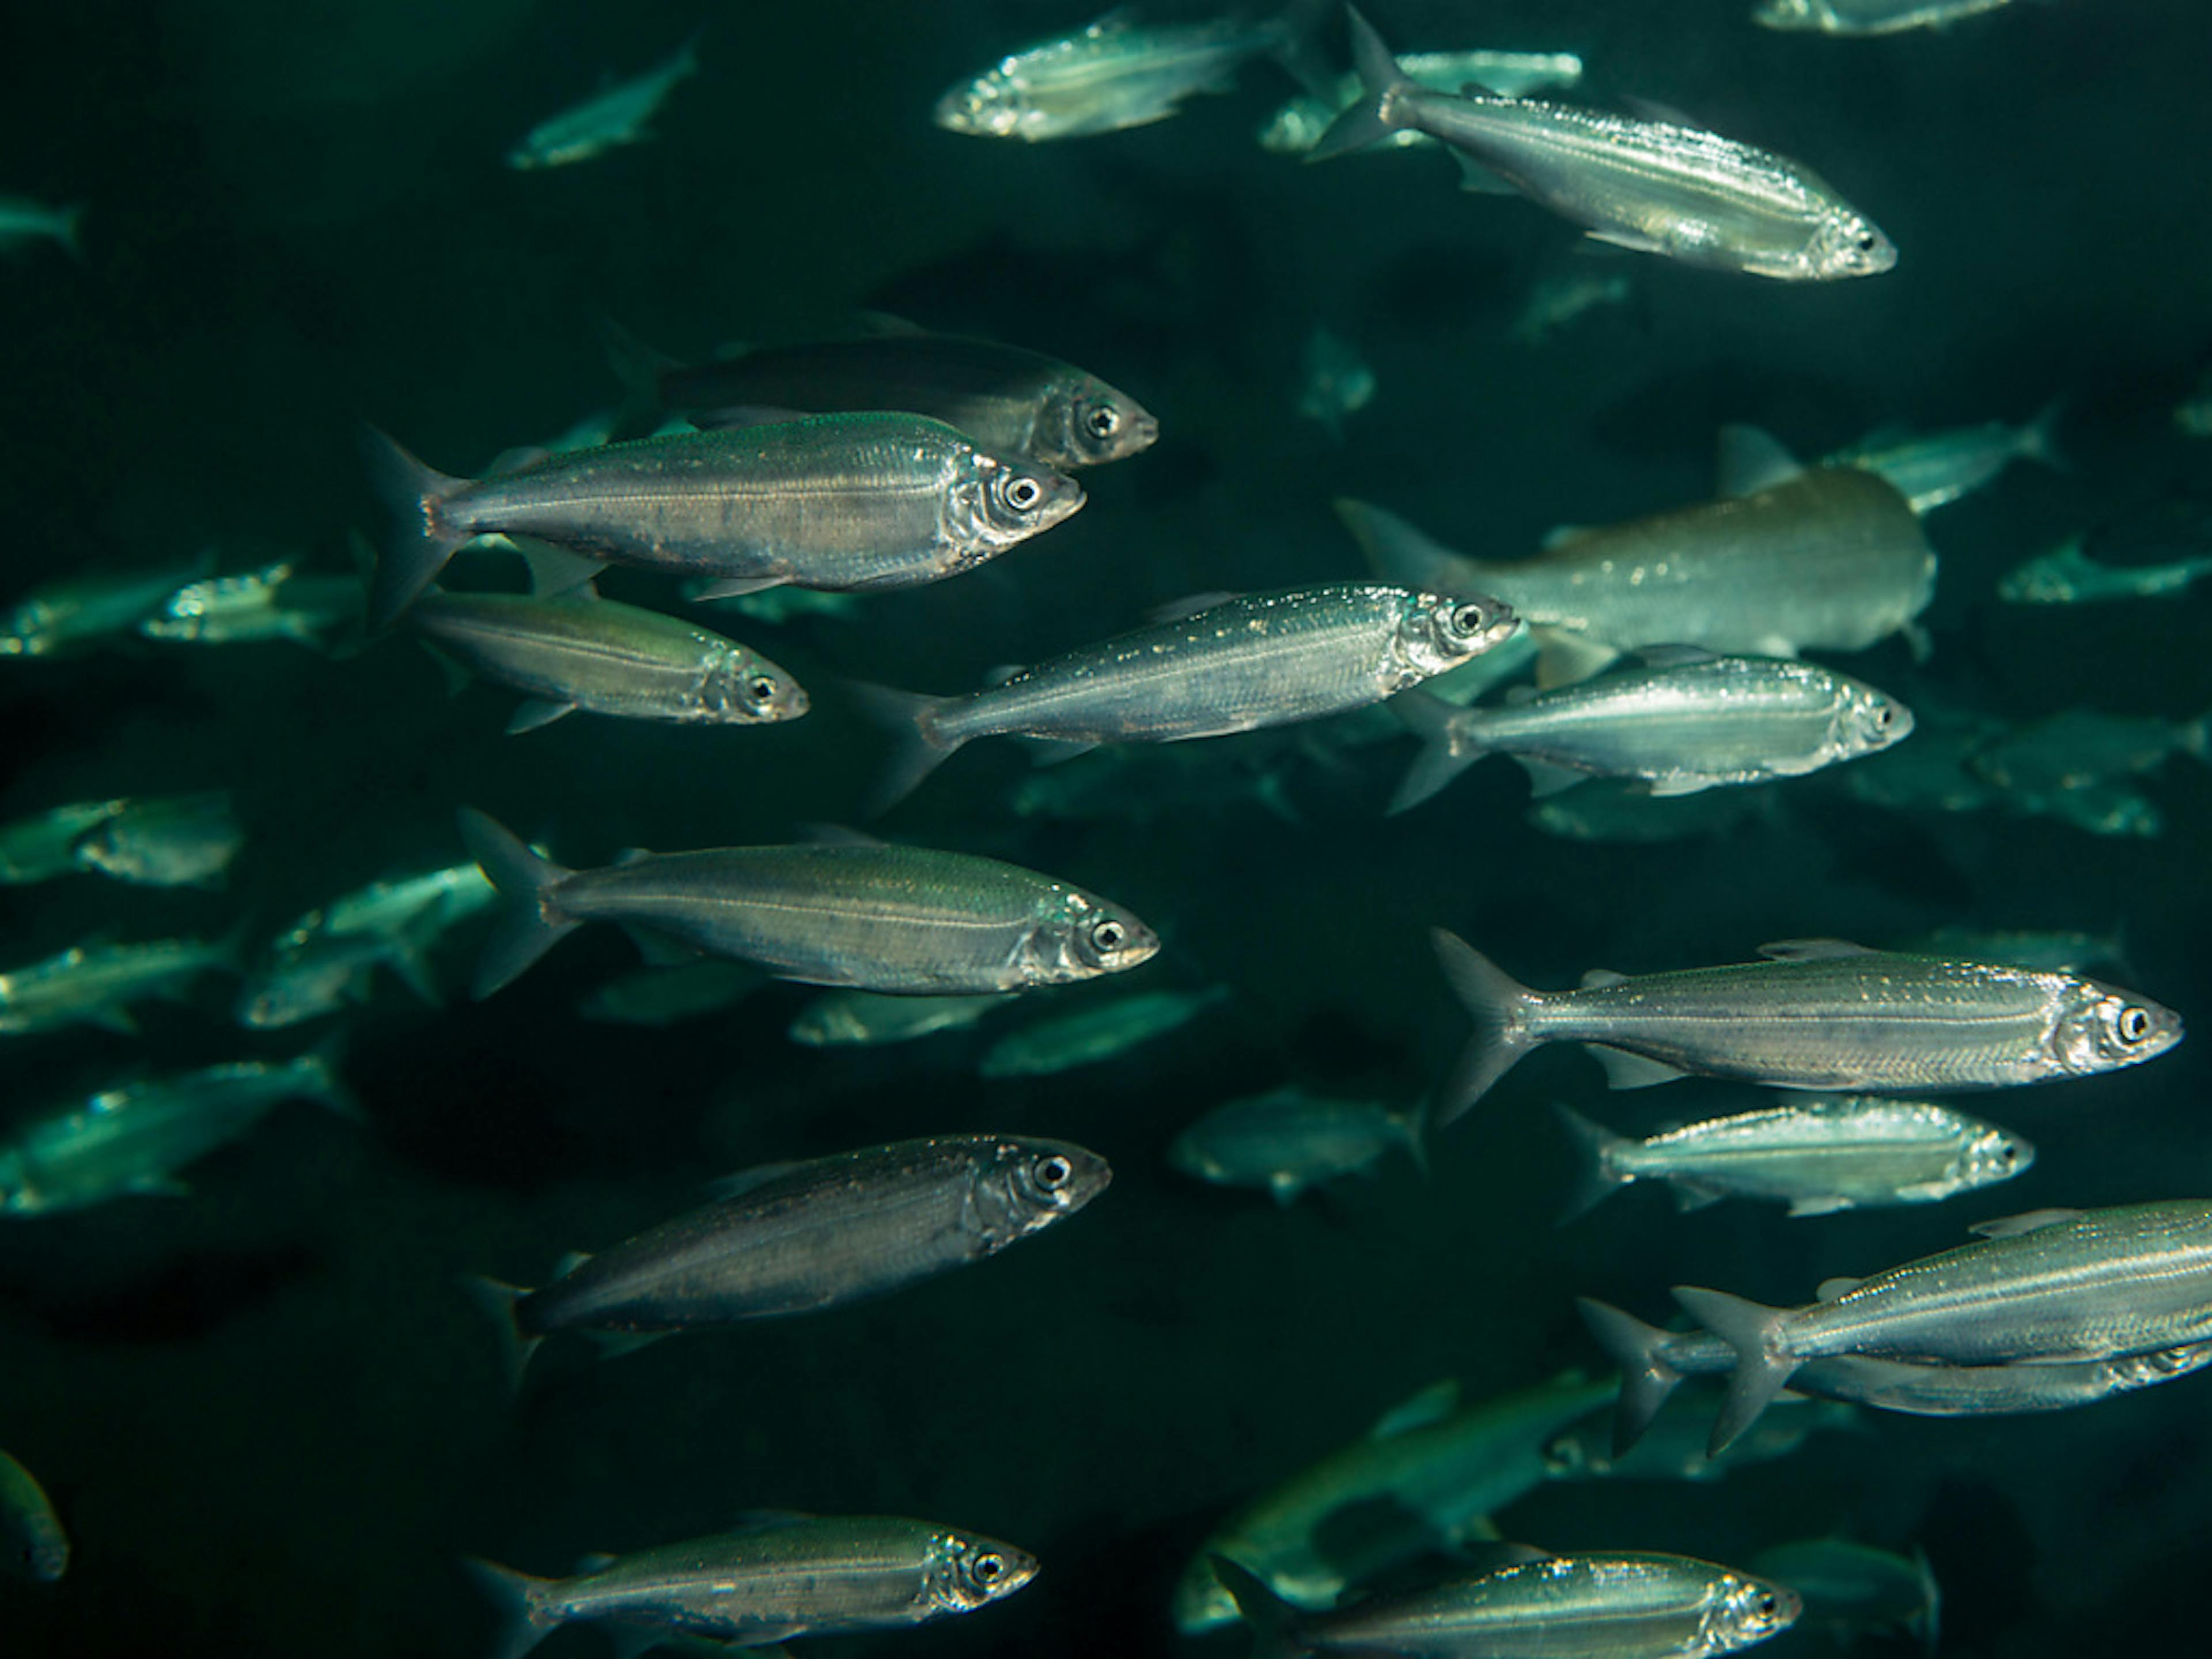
[1618, 812]
[133, 1140]
[25, 223]
[852, 502]
[1287, 1141]
[799, 1238]
[2048, 950]
[1674, 1447]
[76, 610]
[1297, 126]
[1829, 559]
[1336, 381]
[608, 120]
[1653, 186]
[779, 606]
[1095, 1032]
[31, 1534]
[843, 1019]
[1557, 302]
[1867, 16]
[41, 848]
[1818, 1014]
[788, 1576]
[662, 997]
[1255, 660]
[276, 602]
[1595, 1606]
[2066, 575]
[1116, 73]
[431, 901]
[1855, 1589]
[325, 973]
[580, 651]
[871, 916]
[95, 983]
[1933, 470]
[2061, 1285]
[172, 841]
[1428, 1475]
[1682, 721]
[2082, 749]
[1817, 1155]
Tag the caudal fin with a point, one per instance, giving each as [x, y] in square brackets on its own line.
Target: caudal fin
[1271, 1617]
[499, 1301]
[522, 1625]
[1449, 746]
[1398, 552]
[315, 1074]
[1760, 1369]
[909, 717]
[2039, 438]
[420, 540]
[1498, 1003]
[1646, 1378]
[532, 923]
[1371, 120]
[1602, 1174]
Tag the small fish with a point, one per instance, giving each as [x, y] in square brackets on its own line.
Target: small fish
[614, 117]
[2083, 749]
[846, 502]
[2068, 575]
[1612, 812]
[1557, 302]
[1674, 1447]
[175, 840]
[1116, 73]
[1337, 382]
[2046, 950]
[874, 917]
[1855, 1589]
[2055, 1285]
[1931, 470]
[1297, 126]
[1286, 1141]
[1818, 1014]
[1094, 1033]
[1867, 16]
[94, 984]
[134, 1139]
[580, 651]
[75, 610]
[429, 903]
[1685, 720]
[1257, 660]
[1817, 1155]
[325, 973]
[795, 1576]
[842, 1019]
[40, 848]
[25, 223]
[273, 602]
[668, 996]
[1651, 186]
[31, 1533]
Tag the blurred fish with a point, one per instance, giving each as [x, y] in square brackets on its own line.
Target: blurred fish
[273, 602]
[849, 502]
[73, 611]
[1867, 16]
[1337, 382]
[31, 1534]
[134, 1139]
[613, 118]
[875, 917]
[1820, 1014]
[2046, 950]
[1557, 302]
[1426, 1477]
[1654, 186]
[1116, 73]
[1257, 660]
[1854, 1588]
[1595, 1606]
[1939, 467]
[841, 1019]
[671, 996]
[1288, 1140]
[40, 848]
[580, 651]
[1096, 1032]
[25, 223]
[1817, 1155]
[791, 1576]
[1685, 720]
[326, 972]
[172, 841]
[1615, 812]
[2068, 575]
[779, 605]
[94, 984]
[1297, 126]
[794, 1238]
[2082, 749]
[2053, 1285]
[434, 900]
[1674, 1447]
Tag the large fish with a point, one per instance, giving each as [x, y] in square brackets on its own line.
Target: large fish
[613, 118]
[1867, 16]
[875, 917]
[1654, 186]
[1820, 1014]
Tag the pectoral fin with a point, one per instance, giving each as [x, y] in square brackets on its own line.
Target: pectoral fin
[1626, 1071]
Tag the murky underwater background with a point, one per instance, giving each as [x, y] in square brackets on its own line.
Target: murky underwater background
[269, 1416]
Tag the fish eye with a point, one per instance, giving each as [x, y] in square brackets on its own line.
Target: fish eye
[1103, 422]
[1769, 1608]
[1052, 1171]
[1108, 936]
[988, 1570]
[1866, 241]
[1468, 619]
[760, 687]
[2134, 1026]
[1885, 717]
[1023, 493]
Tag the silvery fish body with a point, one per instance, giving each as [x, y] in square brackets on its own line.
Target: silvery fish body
[272, 603]
[1287, 1140]
[78, 610]
[325, 973]
[1819, 1014]
[874, 917]
[1855, 1588]
[134, 1139]
[24, 223]
[604, 658]
[1093, 1035]
[175, 841]
[805, 1576]
[616, 117]
[839, 1019]
[1932, 471]
[40, 848]
[414, 906]
[1831, 560]
[805, 1237]
[1817, 1155]
[2068, 575]
[95, 984]
[1867, 16]
[1445, 1468]
[1652, 186]
[32, 1541]
[669, 996]
[1297, 126]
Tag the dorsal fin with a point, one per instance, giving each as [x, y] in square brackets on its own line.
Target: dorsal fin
[1832, 1288]
[1751, 461]
[2012, 1226]
[1814, 950]
[1431, 1405]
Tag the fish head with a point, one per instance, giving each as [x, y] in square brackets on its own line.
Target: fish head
[1744, 1611]
[1031, 1184]
[1848, 244]
[1079, 937]
[1086, 422]
[1436, 633]
[2101, 1028]
[1188, 1154]
[968, 1572]
[994, 105]
[743, 688]
[995, 502]
[1992, 1155]
[1868, 720]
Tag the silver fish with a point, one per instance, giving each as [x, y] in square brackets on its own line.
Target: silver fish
[1867, 16]
[25, 223]
[273, 602]
[616, 117]
[1095, 1033]
[1852, 1588]
[1817, 1155]
[40, 848]
[671, 996]
[582, 652]
[1297, 126]
[1685, 720]
[874, 917]
[429, 902]
[1652, 186]
[1939, 467]
[1288, 1140]
[796, 1576]
[95, 984]
[842, 1019]
[846, 502]
[1337, 382]
[2083, 749]
[1618, 813]
[325, 973]
[1556, 302]
[1115, 74]
[1820, 1014]
[31, 1535]
[175, 841]
[2066, 575]
[2053, 1285]
[78, 609]
[1258, 660]
[134, 1139]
